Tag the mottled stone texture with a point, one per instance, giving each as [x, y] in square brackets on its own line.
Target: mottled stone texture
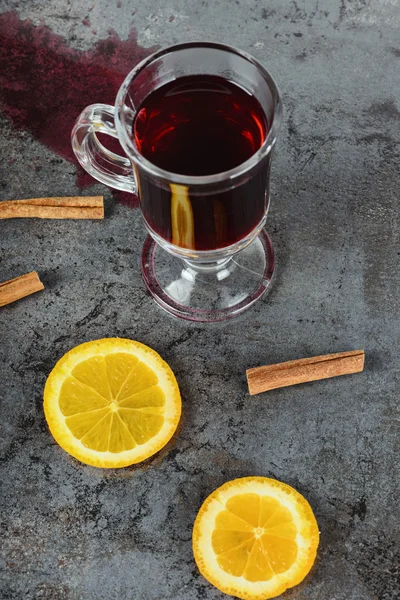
[73, 532]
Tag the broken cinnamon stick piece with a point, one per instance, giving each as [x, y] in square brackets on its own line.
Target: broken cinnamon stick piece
[292, 372]
[17, 288]
[74, 207]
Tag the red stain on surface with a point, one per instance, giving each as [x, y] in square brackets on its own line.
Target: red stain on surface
[45, 84]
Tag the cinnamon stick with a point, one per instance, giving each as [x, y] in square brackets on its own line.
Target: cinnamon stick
[74, 207]
[17, 288]
[292, 372]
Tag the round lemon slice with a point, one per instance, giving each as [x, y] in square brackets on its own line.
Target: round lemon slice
[112, 402]
[255, 537]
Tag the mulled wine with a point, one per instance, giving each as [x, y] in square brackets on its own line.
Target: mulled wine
[201, 125]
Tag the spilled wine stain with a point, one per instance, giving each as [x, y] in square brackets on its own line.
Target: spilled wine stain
[45, 84]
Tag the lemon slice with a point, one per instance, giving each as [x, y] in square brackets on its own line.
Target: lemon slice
[255, 537]
[112, 402]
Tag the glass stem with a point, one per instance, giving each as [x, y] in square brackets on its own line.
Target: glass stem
[207, 267]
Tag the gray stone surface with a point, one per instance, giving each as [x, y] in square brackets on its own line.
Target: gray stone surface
[73, 532]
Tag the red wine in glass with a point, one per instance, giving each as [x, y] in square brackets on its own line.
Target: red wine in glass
[202, 125]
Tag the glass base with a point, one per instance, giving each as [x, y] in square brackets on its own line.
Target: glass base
[207, 292]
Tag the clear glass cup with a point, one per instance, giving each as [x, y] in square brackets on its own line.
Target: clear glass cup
[196, 284]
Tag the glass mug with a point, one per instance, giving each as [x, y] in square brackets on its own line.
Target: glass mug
[207, 257]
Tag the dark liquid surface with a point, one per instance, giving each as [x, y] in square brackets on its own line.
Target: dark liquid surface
[201, 125]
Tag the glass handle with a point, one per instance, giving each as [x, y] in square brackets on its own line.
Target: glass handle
[106, 166]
